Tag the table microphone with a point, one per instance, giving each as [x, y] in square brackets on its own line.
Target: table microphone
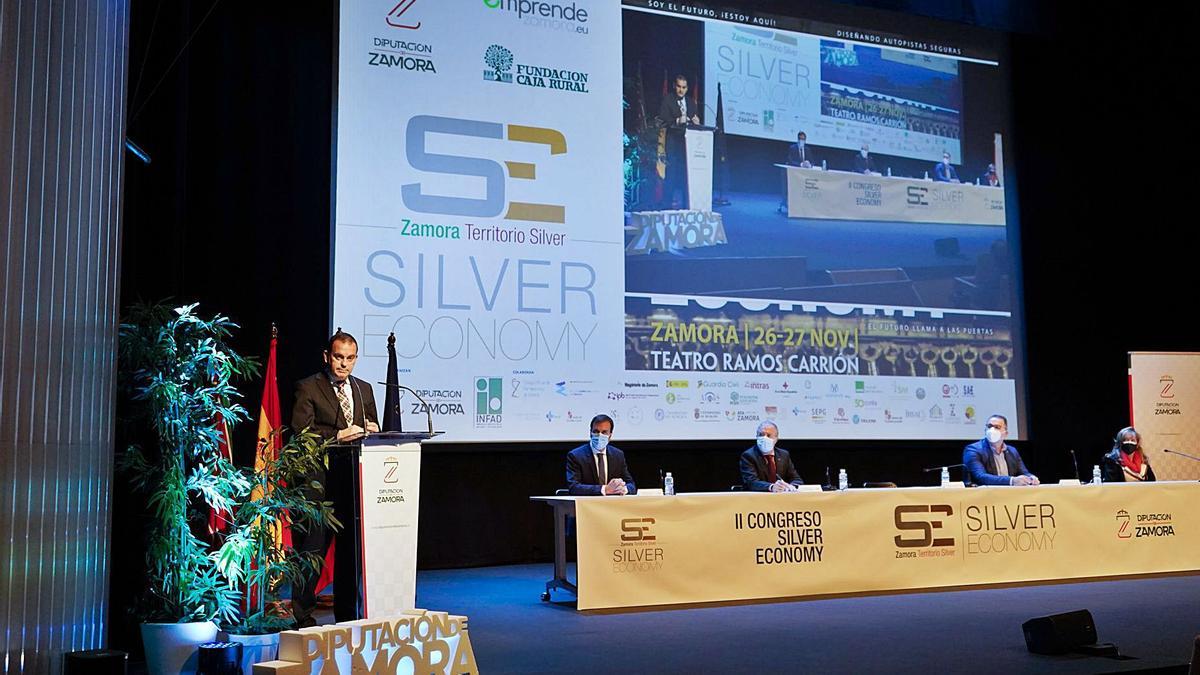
[1076, 463]
[1181, 454]
[939, 468]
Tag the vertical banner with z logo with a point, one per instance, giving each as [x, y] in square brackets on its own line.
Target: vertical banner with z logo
[478, 211]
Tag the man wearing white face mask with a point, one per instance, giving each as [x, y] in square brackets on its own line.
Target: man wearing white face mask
[990, 461]
[598, 468]
[767, 468]
[863, 162]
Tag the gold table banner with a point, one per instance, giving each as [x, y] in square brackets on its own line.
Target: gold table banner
[841, 195]
[652, 550]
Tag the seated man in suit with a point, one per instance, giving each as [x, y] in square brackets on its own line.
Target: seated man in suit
[766, 468]
[862, 161]
[989, 461]
[798, 154]
[598, 468]
[944, 172]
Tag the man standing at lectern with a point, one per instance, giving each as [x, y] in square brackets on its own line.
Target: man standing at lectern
[989, 461]
[678, 110]
[675, 113]
[599, 468]
[333, 404]
[338, 407]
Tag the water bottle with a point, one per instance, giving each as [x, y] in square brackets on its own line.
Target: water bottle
[843, 481]
[1095, 474]
[668, 484]
[945, 476]
[889, 172]
[823, 166]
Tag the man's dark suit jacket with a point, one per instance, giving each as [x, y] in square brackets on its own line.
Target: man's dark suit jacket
[754, 469]
[668, 110]
[980, 464]
[863, 164]
[581, 471]
[796, 156]
[317, 406]
[944, 173]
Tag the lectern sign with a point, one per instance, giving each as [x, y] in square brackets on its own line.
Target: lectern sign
[390, 478]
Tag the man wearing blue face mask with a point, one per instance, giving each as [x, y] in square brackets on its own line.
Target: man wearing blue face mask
[598, 468]
[990, 461]
[767, 468]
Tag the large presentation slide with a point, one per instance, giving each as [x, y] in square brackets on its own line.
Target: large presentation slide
[511, 203]
[776, 83]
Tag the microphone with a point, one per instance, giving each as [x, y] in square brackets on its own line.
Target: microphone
[1181, 454]
[828, 485]
[939, 468]
[1076, 463]
[428, 414]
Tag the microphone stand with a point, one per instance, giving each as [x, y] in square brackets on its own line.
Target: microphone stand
[1181, 454]
[428, 414]
[939, 468]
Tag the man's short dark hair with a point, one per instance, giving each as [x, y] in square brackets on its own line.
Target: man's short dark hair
[998, 417]
[601, 418]
[801, 133]
[339, 336]
[681, 76]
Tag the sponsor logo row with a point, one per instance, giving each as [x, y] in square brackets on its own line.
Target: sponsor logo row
[716, 401]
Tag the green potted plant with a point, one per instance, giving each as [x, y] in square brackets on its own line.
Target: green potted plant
[175, 372]
[252, 555]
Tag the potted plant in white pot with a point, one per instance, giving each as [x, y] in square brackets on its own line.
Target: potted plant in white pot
[253, 554]
[176, 371]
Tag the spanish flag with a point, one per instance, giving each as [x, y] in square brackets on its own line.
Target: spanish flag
[270, 443]
[219, 519]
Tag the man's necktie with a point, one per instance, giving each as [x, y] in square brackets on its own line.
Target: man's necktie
[772, 475]
[603, 470]
[344, 402]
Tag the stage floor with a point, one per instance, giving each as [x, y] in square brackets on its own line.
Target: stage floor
[976, 631]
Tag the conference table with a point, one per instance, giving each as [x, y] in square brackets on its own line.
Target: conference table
[637, 551]
[845, 195]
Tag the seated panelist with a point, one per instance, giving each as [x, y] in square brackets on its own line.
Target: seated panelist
[597, 468]
[990, 461]
[1127, 462]
[766, 467]
[863, 163]
[943, 171]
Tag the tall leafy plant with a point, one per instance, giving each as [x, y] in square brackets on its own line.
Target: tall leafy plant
[176, 368]
[252, 554]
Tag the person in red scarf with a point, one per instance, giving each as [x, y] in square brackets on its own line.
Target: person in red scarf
[1126, 461]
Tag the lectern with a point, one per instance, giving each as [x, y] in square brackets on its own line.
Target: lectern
[698, 143]
[375, 489]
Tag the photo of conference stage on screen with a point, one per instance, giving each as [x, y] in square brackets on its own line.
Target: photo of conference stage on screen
[806, 198]
[609, 210]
